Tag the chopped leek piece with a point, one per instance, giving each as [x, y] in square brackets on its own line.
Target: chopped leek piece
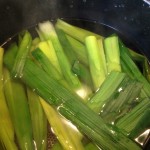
[67, 47]
[109, 86]
[47, 29]
[48, 49]
[70, 106]
[6, 126]
[130, 120]
[112, 53]
[97, 68]
[79, 50]
[19, 111]
[76, 32]
[23, 50]
[39, 121]
[133, 69]
[66, 135]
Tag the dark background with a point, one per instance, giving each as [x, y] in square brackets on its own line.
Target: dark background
[130, 17]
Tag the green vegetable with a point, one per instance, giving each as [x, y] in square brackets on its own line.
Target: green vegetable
[19, 111]
[65, 134]
[48, 31]
[83, 73]
[23, 50]
[11, 54]
[109, 86]
[79, 50]
[102, 54]
[130, 120]
[91, 146]
[47, 48]
[142, 125]
[6, 126]
[70, 106]
[96, 65]
[139, 58]
[125, 95]
[39, 121]
[67, 47]
[133, 69]
[61, 70]
[76, 32]
[112, 53]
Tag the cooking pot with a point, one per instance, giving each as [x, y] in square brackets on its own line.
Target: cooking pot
[129, 18]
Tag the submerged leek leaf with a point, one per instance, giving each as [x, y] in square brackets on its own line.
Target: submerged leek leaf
[132, 68]
[19, 110]
[84, 75]
[39, 121]
[130, 120]
[79, 49]
[6, 128]
[109, 86]
[65, 134]
[144, 63]
[74, 109]
[67, 47]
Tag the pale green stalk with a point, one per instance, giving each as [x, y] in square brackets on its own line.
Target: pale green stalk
[19, 111]
[7, 126]
[79, 49]
[67, 136]
[97, 69]
[39, 121]
[48, 32]
[112, 53]
[76, 32]
[48, 49]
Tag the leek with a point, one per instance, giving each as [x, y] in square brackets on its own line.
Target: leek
[23, 50]
[19, 110]
[47, 29]
[63, 132]
[79, 49]
[112, 53]
[76, 32]
[39, 121]
[70, 106]
[109, 86]
[6, 129]
[130, 120]
[67, 47]
[133, 69]
[48, 49]
[96, 66]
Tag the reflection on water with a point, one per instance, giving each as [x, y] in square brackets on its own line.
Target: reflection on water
[147, 1]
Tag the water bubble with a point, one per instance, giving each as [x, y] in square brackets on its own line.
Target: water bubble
[115, 6]
[71, 6]
[125, 18]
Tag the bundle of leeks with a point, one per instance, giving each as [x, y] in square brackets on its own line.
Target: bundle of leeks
[86, 86]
